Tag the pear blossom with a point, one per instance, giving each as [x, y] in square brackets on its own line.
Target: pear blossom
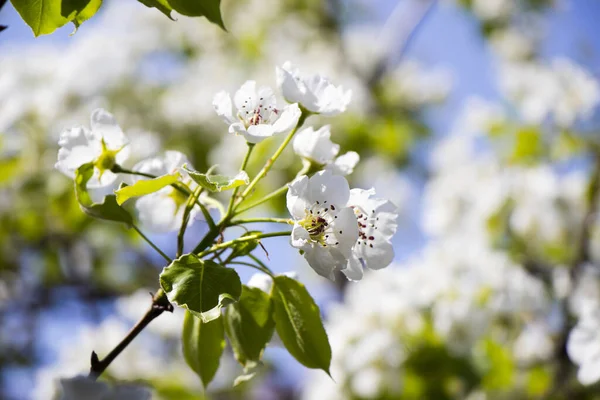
[325, 229]
[265, 283]
[163, 210]
[257, 115]
[104, 144]
[316, 146]
[583, 347]
[315, 93]
[376, 225]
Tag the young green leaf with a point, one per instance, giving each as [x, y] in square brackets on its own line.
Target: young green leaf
[144, 187]
[161, 5]
[298, 323]
[244, 248]
[249, 325]
[199, 8]
[201, 286]
[218, 183]
[84, 13]
[108, 210]
[42, 16]
[203, 344]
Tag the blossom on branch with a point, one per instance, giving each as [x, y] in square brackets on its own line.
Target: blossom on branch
[104, 144]
[257, 115]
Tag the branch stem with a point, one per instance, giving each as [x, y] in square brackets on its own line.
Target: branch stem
[155, 247]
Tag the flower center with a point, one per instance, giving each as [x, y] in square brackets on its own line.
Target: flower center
[260, 114]
[318, 223]
[107, 159]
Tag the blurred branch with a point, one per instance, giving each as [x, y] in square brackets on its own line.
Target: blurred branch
[160, 304]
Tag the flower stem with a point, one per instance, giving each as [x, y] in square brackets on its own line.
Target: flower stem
[242, 168]
[247, 264]
[253, 220]
[160, 304]
[242, 239]
[186, 218]
[273, 158]
[155, 247]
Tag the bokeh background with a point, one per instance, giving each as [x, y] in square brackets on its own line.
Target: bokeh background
[478, 118]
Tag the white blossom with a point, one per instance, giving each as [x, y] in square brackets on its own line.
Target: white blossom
[104, 144]
[257, 115]
[163, 211]
[583, 347]
[315, 93]
[376, 225]
[316, 146]
[325, 229]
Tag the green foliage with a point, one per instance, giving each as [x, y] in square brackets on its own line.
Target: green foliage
[108, 210]
[218, 183]
[144, 187]
[45, 16]
[244, 248]
[249, 325]
[200, 8]
[298, 323]
[498, 364]
[203, 344]
[201, 286]
[161, 5]
[528, 147]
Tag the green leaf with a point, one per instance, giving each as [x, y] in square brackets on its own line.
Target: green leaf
[201, 286]
[84, 13]
[528, 145]
[161, 5]
[246, 247]
[203, 344]
[42, 16]
[298, 323]
[108, 210]
[218, 183]
[144, 187]
[198, 8]
[249, 325]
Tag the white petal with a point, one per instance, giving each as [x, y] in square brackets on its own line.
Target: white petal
[316, 145]
[245, 98]
[77, 148]
[105, 126]
[377, 253]
[261, 281]
[223, 107]
[290, 87]
[299, 237]
[323, 186]
[344, 231]
[158, 212]
[238, 128]
[344, 164]
[288, 119]
[296, 197]
[589, 373]
[257, 133]
[354, 270]
[321, 260]
[173, 161]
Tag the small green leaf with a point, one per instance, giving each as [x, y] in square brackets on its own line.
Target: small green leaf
[144, 187]
[42, 16]
[203, 344]
[298, 323]
[161, 5]
[528, 145]
[108, 210]
[249, 325]
[201, 286]
[84, 13]
[244, 248]
[218, 183]
[200, 8]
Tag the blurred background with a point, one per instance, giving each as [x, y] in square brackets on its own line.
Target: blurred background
[478, 118]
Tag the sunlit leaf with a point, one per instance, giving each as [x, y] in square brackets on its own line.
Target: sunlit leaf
[298, 323]
[528, 145]
[144, 187]
[200, 8]
[201, 286]
[42, 16]
[246, 247]
[249, 325]
[82, 14]
[161, 5]
[218, 183]
[203, 344]
[108, 210]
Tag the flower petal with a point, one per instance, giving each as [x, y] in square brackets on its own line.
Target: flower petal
[288, 119]
[323, 186]
[223, 107]
[354, 270]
